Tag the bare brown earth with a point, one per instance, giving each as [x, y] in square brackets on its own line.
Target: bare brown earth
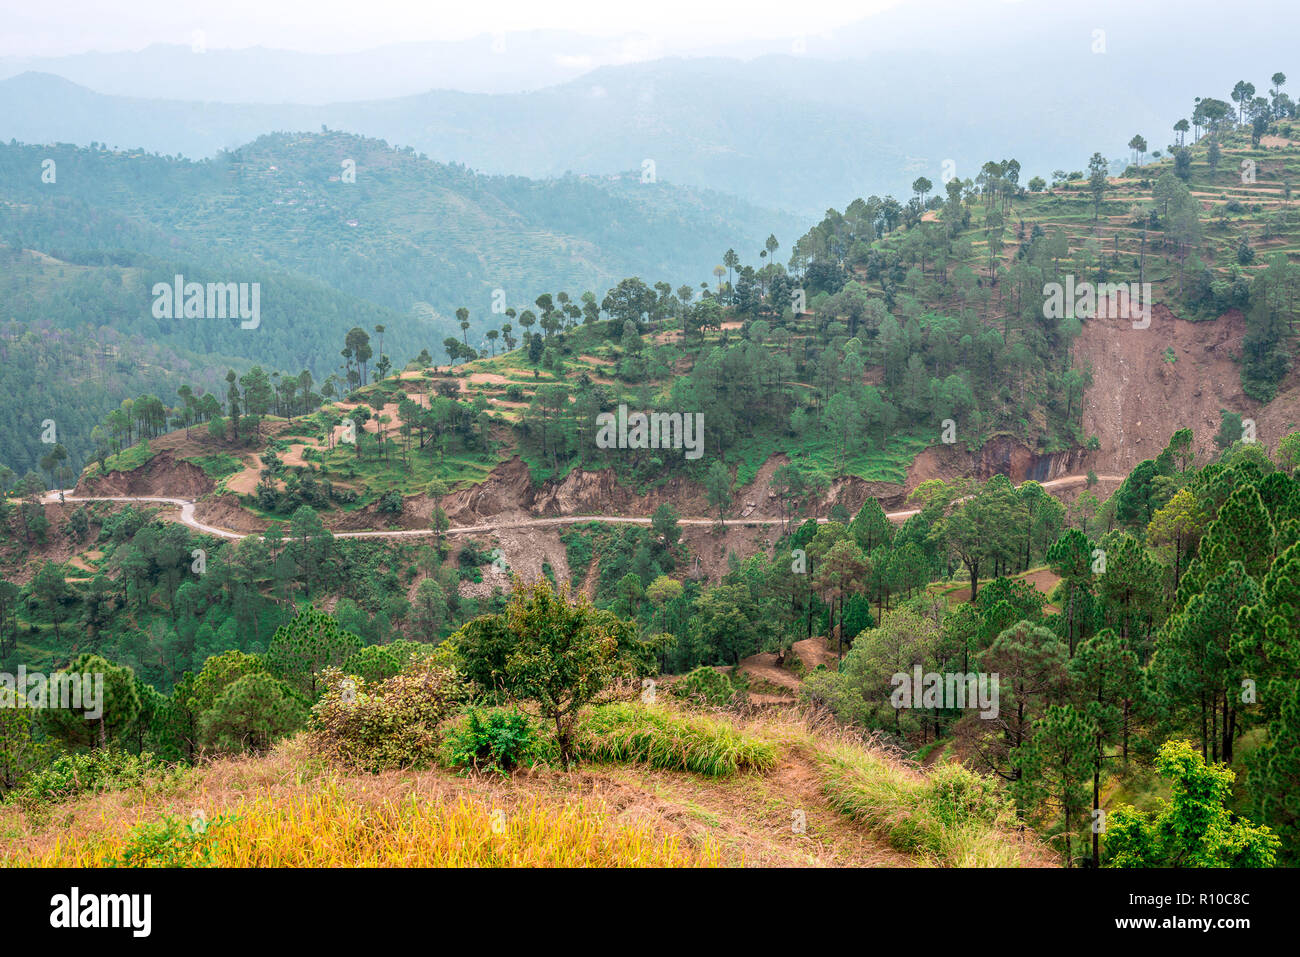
[814, 652]
[1137, 399]
[811, 652]
[164, 474]
[525, 549]
[1042, 579]
[19, 560]
[999, 456]
[225, 511]
[763, 665]
[245, 482]
[508, 492]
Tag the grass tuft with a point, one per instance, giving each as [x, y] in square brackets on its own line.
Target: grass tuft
[670, 740]
[950, 817]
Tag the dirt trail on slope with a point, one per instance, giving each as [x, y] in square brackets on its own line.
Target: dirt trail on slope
[816, 651]
[757, 525]
[780, 819]
[763, 665]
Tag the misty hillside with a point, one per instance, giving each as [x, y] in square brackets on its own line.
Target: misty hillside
[408, 235]
[863, 111]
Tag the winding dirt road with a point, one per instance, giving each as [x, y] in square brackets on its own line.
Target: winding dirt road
[187, 515]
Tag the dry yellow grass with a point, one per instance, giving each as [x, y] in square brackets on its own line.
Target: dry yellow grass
[287, 808]
[326, 829]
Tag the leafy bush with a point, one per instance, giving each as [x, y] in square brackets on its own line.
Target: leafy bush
[473, 554]
[492, 739]
[706, 686]
[171, 842]
[393, 724]
[104, 769]
[1195, 828]
[670, 740]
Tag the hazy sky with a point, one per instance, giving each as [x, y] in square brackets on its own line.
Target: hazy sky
[76, 26]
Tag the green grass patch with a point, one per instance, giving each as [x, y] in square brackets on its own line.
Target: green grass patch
[218, 465]
[872, 464]
[670, 741]
[950, 817]
[124, 461]
[371, 475]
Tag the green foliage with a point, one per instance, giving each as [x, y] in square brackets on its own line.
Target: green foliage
[1194, 829]
[389, 725]
[705, 686]
[578, 551]
[81, 727]
[313, 641]
[492, 740]
[172, 842]
[20, 753]
[218, 465]
[1055, 766]
[91, 772]
[374, 663]
[950, 815]
[670, 740]
[560, 654]
[250, 714]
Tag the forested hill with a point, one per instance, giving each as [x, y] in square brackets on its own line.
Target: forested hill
[86, 233]
[382, 224]
[819, 120]
[79, 333]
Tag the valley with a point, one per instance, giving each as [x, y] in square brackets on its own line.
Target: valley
[362, 591]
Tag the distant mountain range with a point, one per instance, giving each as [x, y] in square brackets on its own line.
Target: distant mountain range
[414, 238]
[865, 110]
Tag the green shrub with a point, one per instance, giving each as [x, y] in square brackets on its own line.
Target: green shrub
[670, 740]
[392, 724]
[472, 555]
[957, 796]
[171, 842]
[92, 772]
[578, 550]
[705, 686]
[492, 739]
